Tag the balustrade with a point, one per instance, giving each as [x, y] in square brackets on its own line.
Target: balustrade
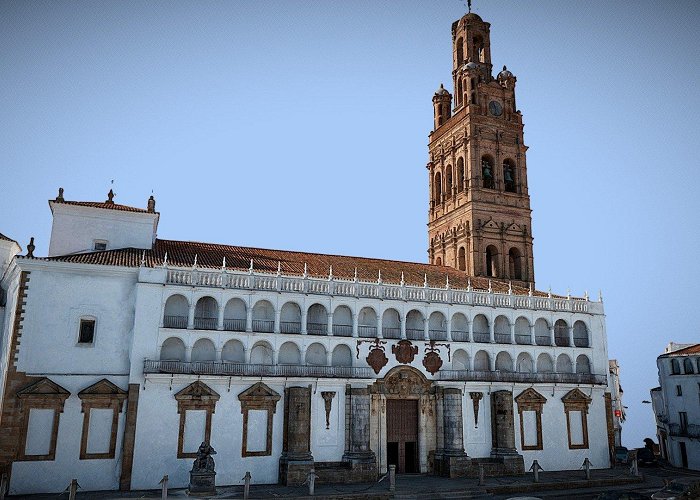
[522, 339]
[263, 325]
[499, 376]
[460, 336]
[483, 337]
[245, 369]
[391, 332]
[175, 321]
[367, 331]
[342, 330]
[317, 328]
[234, 325]
[205, 323]
[290, 327]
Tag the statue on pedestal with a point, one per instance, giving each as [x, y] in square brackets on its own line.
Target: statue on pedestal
[202, 475]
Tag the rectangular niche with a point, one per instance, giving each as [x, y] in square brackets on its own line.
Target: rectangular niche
[39, 432]
[41, 404]
[576, 409]
[196, 404]
[258, 405]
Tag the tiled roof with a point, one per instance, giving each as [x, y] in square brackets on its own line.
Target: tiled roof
[103, 204]
[5, 238]
[182, 254]
[693, 349]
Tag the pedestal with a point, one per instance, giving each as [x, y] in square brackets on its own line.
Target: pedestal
[202, 484]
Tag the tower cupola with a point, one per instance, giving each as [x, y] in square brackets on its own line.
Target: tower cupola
[442, 104]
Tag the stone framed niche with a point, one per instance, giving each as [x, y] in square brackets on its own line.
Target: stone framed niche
[196, 404]
[41, 405]
[576, 405]
[530, 403]
[101, 404]
[258, 406]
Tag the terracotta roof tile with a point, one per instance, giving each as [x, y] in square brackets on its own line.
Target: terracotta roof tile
[182, 254]
[103, 204]
[693, 349]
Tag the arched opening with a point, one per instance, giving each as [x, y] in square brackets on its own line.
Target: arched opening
[542, 332]
[462, 259]
[173, 349]
[367, 323]
[688, 366]
[515, 264]
[487, 173]
[504, 363]
[235, 315]
[391, 324]
[203, 350]
[176, 312]
[473, 91]
[675, 367]
[206, 314]
[564, 364]
[233, 352]
[316, 355]
[545, 363]
[501, 330]
[459, 92]
[438, 261]
[492, 262]
[581, 334]
[509, 175]
[262, 354]
[478, 44]
[460, 360]
[448, 182]
[460, 52]
[437, 188]
[317, 320]
[583, 364]
[415, 329]
[480, 329]
[342, 356]
[522, 331]
[561, 333]
[437, 326]
[263, 317]
[482, 362]
[460, 175]
[342, 321]
[460, 328]
[290, 318]
[524, 363]
[289, 354]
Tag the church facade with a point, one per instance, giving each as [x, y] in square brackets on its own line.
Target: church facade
[122, 352]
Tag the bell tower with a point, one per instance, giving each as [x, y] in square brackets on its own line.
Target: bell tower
[479, 218]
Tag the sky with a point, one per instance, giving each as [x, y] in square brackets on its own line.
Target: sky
[303, 125]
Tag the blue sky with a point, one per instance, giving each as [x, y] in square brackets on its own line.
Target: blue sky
[304, 125]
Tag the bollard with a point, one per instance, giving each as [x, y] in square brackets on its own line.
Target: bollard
[246, 485]
[73, 489]
[3, 486]
[634, 470]
[392, 478]
[535, 468]
[312, 481]
[164, 487]
[587, 468]
[481, 475]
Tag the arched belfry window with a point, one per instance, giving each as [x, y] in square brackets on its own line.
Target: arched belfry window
[448, 182]
[460, 175]
[491, 261]
[509, 176]
[487, 174]
[459, 92]
[478, 44]
[460, 52]
[437, 188]
[515, 264]
[462, 260]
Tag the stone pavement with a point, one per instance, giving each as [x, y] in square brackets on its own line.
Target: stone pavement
[561, 484]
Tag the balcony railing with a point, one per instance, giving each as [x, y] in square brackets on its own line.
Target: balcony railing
[342, 330]
[367, 331]
[543, 340]
[264, 325]
[317, 328]
[460, 336]
[234, 325]
[290, 326]
[522, 339]
[415, 333]
[482, 337]
[502, 338]
[205, 323]
[349, 288]
[581, 342]
[437, 334]
[390, 332]
[175, 321]
[690, 430]
[561, 341]
[253, 370]
[484, 376]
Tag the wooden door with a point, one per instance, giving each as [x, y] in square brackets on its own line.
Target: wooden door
[402, 434]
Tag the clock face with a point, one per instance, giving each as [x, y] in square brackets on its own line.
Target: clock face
[495, 108]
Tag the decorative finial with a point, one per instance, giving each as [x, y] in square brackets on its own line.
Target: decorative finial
[425, 280]
[585, 295]
[600, 295]
[504, 68]
[223, 263]
[279, 267]
[469, 284]
[402, 280]
[330, 272]
[469, 6]
[195, 261]
[379, 276]
[549, 292]
[510, 288]
[59, 198]
[568, 293]
[250, 269]
[165, 259]
[110, 197]
[355, 278]
[31, 247]
[447, 281]
[490, 289]
[151, 205]
[305, 270]
[529, 292]
[143, 258]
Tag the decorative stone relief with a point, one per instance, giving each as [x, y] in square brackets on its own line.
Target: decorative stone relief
[328, 403]
[476, 398]
[403, 381]
[404, 351]
[432, 361]
[376, 357]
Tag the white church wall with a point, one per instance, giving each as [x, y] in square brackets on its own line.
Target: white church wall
[328, 443]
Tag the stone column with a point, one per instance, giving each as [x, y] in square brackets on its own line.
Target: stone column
[502, 424]
[296, 460]
[452, 460]
[357, 432]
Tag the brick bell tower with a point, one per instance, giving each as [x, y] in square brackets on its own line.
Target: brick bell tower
[479, 219]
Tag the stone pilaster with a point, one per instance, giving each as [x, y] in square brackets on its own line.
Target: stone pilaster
[357, 404]
[296, 460]
[503, 432]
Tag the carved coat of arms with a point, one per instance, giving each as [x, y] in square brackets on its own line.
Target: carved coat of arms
[404, 351]
[432, 362]
[377, 359]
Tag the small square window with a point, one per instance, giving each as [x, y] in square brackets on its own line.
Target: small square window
[100, 245]
[679, 390]
[87, 331]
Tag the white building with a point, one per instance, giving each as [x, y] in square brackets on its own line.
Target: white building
[616, 392]
[122, 352]
[676, 405]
